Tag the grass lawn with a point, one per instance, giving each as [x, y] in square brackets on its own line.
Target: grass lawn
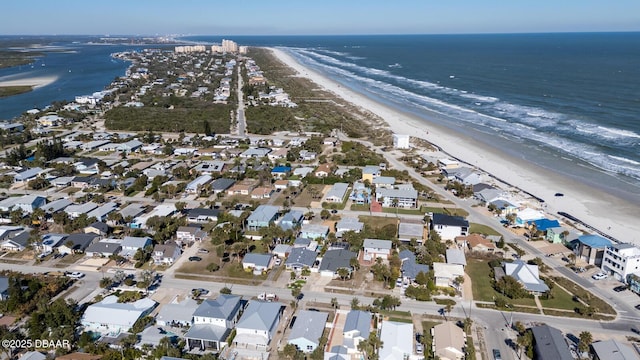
[479, 271]
[587, 297]
[377, 222]
[304, 199]
[401, 211]
[561, 300]
[359, 207]
[482, 229]
[446, 210]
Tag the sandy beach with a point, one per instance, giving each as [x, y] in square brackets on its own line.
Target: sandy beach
[607, 213]
[34, 82]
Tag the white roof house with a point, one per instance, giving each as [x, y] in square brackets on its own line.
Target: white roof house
[109, 317]
[445, 274]
[202, 180]
[161, 210]
[337, 192]
[397, 340]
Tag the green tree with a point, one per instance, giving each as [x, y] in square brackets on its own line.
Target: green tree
[585, 341]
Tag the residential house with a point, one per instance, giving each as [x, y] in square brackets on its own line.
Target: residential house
[190, 234]
[348, 224]
[28, 203]
[27, 175]
[370, 172]
[33, 355]
[613, 349]
[76, 243]
[17, 242]
[162, 210]
[397, 340]
[51, 241]
[305, 243]
[401, 196]
[221, 185]
[166, 254]
[334, 260]
[621, 260]
[361, 194]
[282, 250]
[526, 274]
[323, 170]
[178, 312]
[401, 141]
[448, 341]
[476, 242]
[291, 220]
[110, 317]
[556, 235]
[258, 324]
[98, 228]
[549, 344]
[213, 321]
[280, 172]
[299, 258]
[527, 215]
[357, 327]
[132, 211]
[56, 205]
[104, 248]
[591, 249]
[306, 155]
[408, 231]
[449, 227]
[281, 184]
[259, 263]
[307, 330]
[240, 189]
[337, 193]
[196, 185]
[410, 268]
[302, 171]
[262, 216]
[261, 192]
[255, 153]
[314, 231]
[202, 215]
[456, 256]
[384, 182]
[131, 245]
[75, 210]
[445, 274]
[376, 248]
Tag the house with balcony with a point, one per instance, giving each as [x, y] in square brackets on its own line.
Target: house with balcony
[258, 324]
[262, 216]
[213, 321]
[621, 260]
[449, 227]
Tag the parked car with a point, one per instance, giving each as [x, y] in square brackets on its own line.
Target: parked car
[75, 275]
[496, 354]
[419, 348]
[195, 258]
[278, 261]
[637, 307]
[620, 288]
[599, 276]
[203, 251]
[199, 292]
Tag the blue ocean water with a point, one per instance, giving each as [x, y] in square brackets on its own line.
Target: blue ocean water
[80, 66]
[566, 102]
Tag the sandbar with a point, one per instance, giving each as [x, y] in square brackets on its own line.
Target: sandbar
[34, 82]
[612, 215]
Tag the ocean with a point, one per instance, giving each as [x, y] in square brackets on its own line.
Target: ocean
[567, 102]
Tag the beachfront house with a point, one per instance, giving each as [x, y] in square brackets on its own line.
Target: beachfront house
[621, 260]
[401, 196]
[591, 249]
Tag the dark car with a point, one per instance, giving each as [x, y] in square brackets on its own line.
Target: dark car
[635, 330]
[637, 306]
[334, 211]
[559, 194]
[195, 258]
[620, 288]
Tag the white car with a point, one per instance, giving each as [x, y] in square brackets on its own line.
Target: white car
[75, 275]
[599, 276]
[278, 261]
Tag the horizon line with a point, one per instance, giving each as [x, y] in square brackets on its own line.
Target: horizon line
[346, 34]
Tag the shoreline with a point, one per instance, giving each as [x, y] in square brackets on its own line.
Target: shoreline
[34, 82]
[609, 214]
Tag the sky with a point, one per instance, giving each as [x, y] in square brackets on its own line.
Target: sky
[306, 17]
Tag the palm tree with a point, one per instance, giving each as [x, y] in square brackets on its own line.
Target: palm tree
[334, 303]
[585, 341]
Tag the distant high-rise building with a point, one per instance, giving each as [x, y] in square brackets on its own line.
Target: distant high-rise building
[190, 48]
[226, 46]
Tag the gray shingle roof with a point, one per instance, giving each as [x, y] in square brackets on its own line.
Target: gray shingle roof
[336, 259]
[223, 307]
[550, 344]
[260, 315]
[358, 320]
[309, 325]
[300, 256]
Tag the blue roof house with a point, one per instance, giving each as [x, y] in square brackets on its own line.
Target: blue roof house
[591, 249]
[262, 216]
[280, 171]
[291, 220]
